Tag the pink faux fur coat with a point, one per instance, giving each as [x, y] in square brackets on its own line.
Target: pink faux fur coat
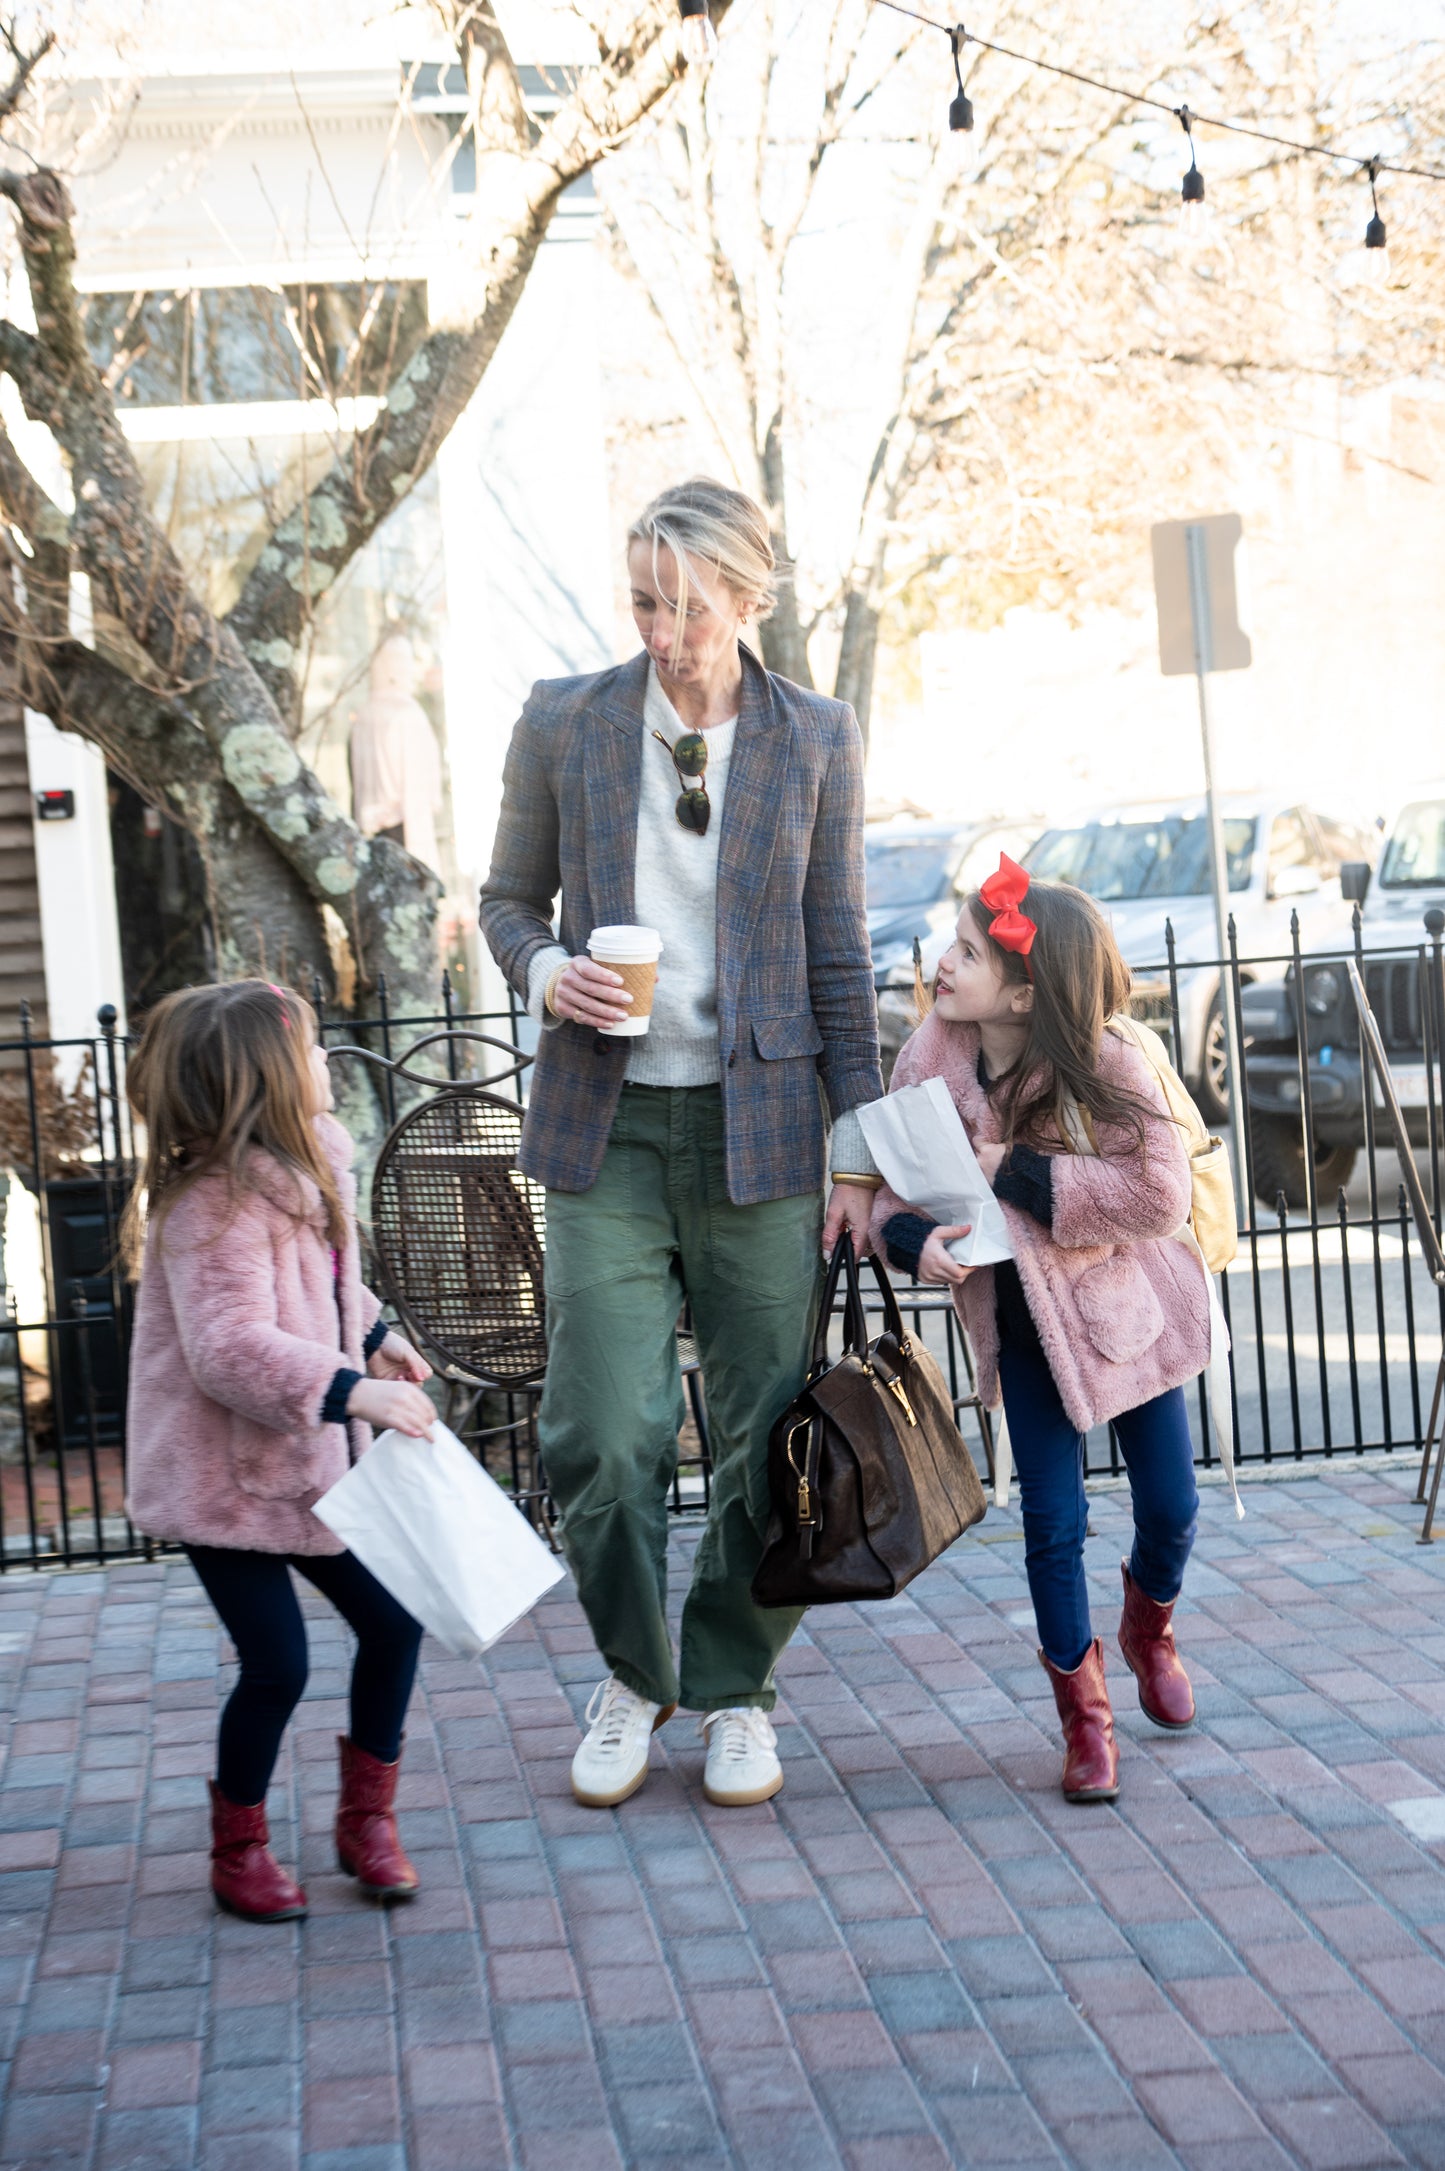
[240, 1327]
[1121, 1306]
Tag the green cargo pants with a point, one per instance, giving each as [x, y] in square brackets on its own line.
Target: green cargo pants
[658, 1228]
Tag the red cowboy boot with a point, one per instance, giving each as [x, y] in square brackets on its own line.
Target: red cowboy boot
[368, 1845]
[1091, 1761]
[245, 1876]
[1146, 1638]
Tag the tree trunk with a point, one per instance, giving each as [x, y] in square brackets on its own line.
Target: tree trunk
[781, 637]
[266, 922]
[167, 928]
[858, 655]
[785, 646]
[263, 916]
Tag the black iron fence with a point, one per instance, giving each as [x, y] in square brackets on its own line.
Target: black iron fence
[1335, 1320]
[67, 1151]
[1336, 1326]
[1335, 1323]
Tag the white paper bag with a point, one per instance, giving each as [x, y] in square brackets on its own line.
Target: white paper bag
[917, 1137]
[445, 1540]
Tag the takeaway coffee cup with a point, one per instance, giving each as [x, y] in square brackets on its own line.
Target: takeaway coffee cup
[632, 953]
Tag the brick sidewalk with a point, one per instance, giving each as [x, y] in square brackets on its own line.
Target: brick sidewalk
[919, 1955]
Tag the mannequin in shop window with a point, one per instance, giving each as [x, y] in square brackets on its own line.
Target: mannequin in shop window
[396, 767]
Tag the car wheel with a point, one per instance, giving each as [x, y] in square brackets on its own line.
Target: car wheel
[1277, 1149]
[1213, 1094]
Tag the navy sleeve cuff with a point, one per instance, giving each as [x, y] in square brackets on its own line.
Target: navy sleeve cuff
[374, 1340]
[904, 1236]
[1026, 1180]
[338, 1394]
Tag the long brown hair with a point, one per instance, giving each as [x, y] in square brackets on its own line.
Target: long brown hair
[1079, 981]
[220, 1071]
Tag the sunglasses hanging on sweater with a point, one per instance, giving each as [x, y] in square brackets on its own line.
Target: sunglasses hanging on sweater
[689, 758]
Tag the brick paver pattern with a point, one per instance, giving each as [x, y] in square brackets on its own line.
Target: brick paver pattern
[917, 1955]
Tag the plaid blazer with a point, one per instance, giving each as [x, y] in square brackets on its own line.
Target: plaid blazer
[794, 974]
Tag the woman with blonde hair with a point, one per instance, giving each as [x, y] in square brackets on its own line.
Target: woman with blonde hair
[693, 791]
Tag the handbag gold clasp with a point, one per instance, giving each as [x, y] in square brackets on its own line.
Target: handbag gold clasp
[896, 1387]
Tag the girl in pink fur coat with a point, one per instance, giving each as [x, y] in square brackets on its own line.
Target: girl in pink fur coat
[258, 1366]
[1101, 1314]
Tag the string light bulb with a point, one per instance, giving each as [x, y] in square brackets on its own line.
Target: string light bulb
[699, 39]
[960, 110]
[1191, 188]
[1376, 262]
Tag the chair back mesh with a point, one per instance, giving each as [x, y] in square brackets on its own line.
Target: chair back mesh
[459, 1234]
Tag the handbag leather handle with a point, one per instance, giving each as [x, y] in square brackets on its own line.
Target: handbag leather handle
[844, 1264]
[855, 1334]
[892, 1317]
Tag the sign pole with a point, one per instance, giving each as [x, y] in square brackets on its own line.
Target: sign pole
[1196, 549]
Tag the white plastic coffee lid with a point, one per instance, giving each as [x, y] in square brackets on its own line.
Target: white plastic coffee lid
[626, 945]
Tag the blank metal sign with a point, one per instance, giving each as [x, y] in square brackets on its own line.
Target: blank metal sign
[1225, 646]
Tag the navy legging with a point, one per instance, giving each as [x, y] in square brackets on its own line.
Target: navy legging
[256, 1599]
[1048, 1454]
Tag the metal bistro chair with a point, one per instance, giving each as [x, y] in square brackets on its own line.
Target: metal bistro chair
[459, 1234]
[1373, 1050]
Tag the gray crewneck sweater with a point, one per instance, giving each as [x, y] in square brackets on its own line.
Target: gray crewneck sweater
[675, 891]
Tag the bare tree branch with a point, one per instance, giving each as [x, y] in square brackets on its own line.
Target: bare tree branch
[498, 115]
[518, 185]
[197, 712]
[25, 67]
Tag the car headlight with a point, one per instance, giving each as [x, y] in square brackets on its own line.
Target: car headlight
[1322, 989]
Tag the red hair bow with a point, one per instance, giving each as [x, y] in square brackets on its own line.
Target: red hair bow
[1003, 893]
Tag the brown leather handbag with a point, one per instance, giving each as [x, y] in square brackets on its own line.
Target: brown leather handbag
[869, 1476]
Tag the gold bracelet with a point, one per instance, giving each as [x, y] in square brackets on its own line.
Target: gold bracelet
[869, 1183]
[551, 988]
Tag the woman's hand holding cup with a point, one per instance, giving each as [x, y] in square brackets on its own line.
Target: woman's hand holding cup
[588, 994]
[612, 987]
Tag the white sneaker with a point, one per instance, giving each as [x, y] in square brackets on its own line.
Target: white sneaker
[742, 1757]
[611, 1760]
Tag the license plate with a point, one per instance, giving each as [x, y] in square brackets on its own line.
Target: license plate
[1410, 1082]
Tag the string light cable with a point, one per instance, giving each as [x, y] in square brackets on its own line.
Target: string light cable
[1192, 189]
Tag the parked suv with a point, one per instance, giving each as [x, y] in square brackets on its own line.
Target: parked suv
[1394, 906]
[1150, 863]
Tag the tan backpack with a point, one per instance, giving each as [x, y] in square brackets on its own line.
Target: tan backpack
[1211, 1213]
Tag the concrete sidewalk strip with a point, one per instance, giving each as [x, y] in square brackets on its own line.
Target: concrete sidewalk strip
[917, 1954]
